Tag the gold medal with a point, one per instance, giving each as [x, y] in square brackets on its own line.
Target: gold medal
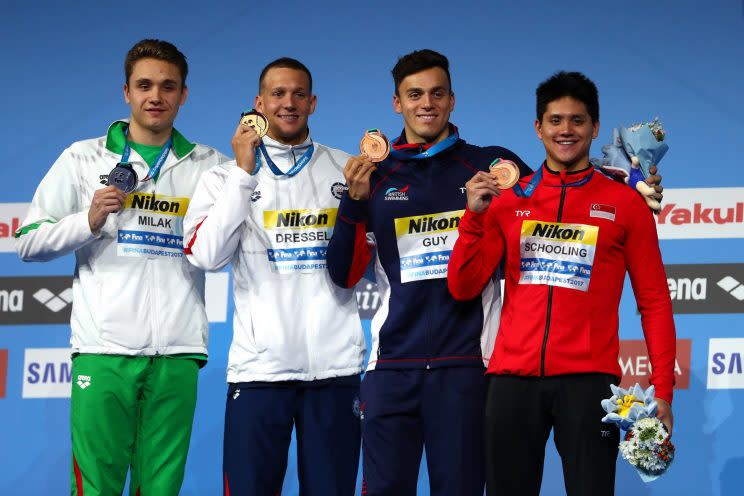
[374, 145]
[506, 173]
[256, 120]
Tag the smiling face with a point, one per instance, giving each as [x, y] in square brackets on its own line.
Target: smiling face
[286, 100]
[426, 101]
[154, 92]
[567, 131]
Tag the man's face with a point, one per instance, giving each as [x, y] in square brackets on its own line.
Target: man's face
[286, 101]
[566, 131]
[425, 100]
[154, 92]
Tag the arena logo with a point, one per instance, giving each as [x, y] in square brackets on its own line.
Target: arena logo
[11, 216]
[726, 363]
[635, 363]
[701, 213]
[3, 372]
[35, 300]
[47, 373]
[706, 288]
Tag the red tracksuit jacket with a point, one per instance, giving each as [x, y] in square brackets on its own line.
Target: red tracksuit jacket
[566, 249]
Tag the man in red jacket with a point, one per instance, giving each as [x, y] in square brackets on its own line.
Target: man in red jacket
[566, 236]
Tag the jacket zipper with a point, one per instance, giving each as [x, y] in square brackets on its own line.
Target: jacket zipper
[151, 267]
[429, 171]
[550, 288]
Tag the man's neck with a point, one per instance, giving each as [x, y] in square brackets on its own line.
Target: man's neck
[143, 136]
[298, 140]
[575, 167]
[412, 137]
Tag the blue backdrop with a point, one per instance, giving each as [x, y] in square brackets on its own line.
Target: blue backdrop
[681, 60]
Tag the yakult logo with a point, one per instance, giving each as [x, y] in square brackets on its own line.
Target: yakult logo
[702, 213]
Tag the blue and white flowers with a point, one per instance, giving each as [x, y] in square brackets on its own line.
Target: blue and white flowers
[646, 444]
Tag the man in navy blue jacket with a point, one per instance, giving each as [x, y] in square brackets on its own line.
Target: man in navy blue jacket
[424, 384]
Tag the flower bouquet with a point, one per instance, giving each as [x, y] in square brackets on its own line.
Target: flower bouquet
[646, 444]
[632, 152]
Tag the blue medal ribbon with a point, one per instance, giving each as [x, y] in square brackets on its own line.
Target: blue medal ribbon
[158, 163]
[297, 167]
[430, 152]
[527, 192]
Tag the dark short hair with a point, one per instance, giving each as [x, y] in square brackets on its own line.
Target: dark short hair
[417, 61]
[285, 63]
[573, 84]
[155, 49]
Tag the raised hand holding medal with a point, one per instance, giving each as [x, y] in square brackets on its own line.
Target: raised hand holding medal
[252, 127]
[374, 147]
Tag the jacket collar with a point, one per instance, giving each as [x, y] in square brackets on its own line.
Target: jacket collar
[115, 140]
[554, 178]
[402, 145]
[285, 156]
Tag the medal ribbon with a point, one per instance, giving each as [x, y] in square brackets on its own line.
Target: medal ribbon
[297, 167]
[158, 162]
[429, 152]
[527, 192]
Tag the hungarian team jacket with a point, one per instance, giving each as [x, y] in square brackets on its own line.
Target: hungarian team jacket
[133, 292]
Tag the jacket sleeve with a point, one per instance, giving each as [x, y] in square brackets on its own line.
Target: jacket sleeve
[349, 252]
[477, 252]
[56, 223]
[648, 278]
[216, 215]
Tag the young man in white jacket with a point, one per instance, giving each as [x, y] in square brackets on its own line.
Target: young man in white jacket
[298, 346]
[139, 327]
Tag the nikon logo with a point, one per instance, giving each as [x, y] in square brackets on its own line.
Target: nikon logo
[427, 224]
[148, 202]
[554, 231]
[295, 219]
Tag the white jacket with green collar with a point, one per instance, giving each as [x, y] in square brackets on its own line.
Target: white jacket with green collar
[134, 292]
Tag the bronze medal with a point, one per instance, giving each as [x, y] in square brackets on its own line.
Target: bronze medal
[506, 173]
[374, 145]
[256, 120]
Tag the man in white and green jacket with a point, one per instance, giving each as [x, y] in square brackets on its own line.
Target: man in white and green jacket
[139, 327]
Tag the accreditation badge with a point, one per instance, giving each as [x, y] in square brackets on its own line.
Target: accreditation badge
[151, 226]
[425, 243]
[298, 239]
[557, 254]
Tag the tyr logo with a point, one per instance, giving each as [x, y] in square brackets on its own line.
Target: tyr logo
[522, 213]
